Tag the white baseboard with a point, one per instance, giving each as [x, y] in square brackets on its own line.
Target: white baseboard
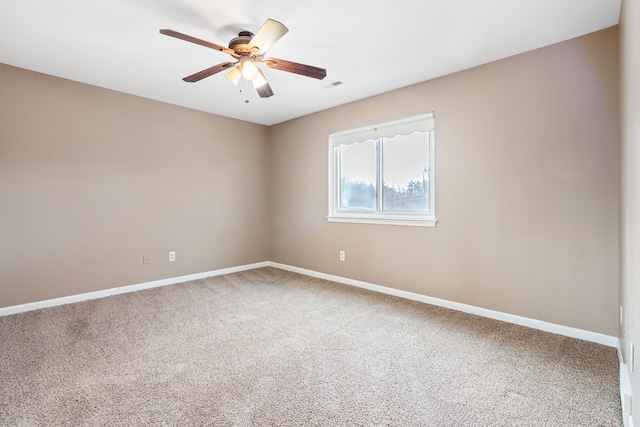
[595, 337]
[505, 317]
[5, 311]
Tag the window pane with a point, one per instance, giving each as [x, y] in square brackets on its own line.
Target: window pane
[383, 173]
[358, 176]
[405, 173]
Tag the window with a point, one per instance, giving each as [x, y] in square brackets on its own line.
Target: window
[384, 174]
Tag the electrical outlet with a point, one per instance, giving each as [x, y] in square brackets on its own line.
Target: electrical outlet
[341, 255]
[172, 256]
[146, 259]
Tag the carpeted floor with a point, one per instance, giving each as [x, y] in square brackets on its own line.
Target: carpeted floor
[268, 347]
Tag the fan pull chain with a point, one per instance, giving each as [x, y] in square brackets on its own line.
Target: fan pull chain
[245, 83]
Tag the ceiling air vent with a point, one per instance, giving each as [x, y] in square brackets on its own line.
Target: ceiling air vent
[334, 84]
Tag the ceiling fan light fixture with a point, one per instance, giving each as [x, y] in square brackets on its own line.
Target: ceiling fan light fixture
[234, 75]
[249, 69]
[259, 81]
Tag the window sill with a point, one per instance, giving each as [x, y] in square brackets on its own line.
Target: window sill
[417, 221]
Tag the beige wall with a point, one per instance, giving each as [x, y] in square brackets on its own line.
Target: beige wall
[630, 186]
[527, 187]
[91, 179]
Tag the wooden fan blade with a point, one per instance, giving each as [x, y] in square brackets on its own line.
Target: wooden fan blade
[294, 67]
[264, 91]
[261, 85]
[197, 41]
[208, 72]
[270, 32]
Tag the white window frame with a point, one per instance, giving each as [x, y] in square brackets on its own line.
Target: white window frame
[406, 126]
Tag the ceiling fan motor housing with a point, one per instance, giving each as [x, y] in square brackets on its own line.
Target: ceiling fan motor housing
[240, 44]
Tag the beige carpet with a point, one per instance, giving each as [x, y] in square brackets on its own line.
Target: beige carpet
[268, 347]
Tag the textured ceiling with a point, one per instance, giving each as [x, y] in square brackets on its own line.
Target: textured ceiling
[371, 47]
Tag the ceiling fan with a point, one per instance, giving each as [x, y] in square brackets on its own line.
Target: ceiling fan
[248, 50]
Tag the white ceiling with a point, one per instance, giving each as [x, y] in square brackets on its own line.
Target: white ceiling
[370, 46]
